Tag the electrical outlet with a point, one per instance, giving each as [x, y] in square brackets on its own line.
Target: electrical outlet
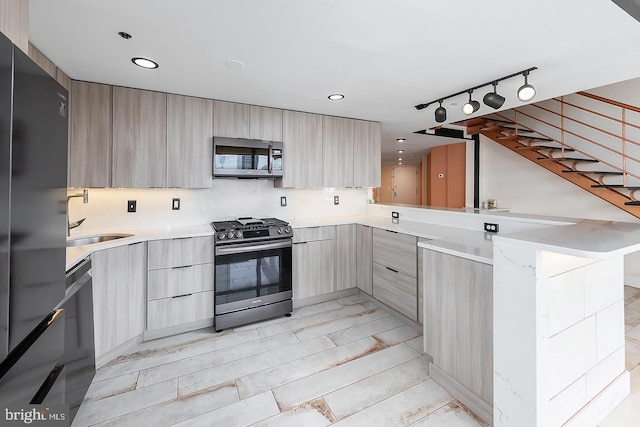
[131, 206]
[490, 227]
[283, 201]
[336, 200]
[395, 215]
[175, 204]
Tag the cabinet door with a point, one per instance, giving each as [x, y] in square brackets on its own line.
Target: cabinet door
[118, 295]
[90, 145]
[367, 161]
[302, 156]
[265, 123]
[230, 119]
[346, 257]
[459, 303]
[395, 289]
[396, 250]
[168, 312]
[139, 138]
[337, 152]
[313, 268]
[189, 141]
[364, 261]
[180, 252]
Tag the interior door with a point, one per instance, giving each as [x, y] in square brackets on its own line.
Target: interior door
[405, 184]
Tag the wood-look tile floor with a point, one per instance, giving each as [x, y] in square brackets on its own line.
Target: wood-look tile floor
[345, 362]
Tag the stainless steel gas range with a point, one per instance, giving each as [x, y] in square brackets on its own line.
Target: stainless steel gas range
[253, 270]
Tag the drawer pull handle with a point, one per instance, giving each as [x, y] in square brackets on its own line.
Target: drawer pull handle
[300, 243]
[183, 266]
[180, 296]
[391, 269]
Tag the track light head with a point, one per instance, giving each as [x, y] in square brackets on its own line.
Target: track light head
[470, 106]
[441, 113]
[526, 91]
[492, 99]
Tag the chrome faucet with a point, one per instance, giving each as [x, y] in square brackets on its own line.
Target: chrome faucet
[85, 199]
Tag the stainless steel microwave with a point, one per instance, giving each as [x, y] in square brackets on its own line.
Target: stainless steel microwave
[246, 158]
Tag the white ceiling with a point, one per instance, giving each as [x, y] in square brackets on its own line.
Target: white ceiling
[385, 56]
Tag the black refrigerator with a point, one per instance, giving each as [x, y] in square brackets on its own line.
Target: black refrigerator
[33, 178]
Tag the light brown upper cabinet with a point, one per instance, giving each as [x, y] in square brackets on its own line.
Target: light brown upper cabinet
[446, 166]
[367, 160]
[302, 156]
[14, 22]
[189, 141]
[265, 123]
[90, 131]
[139, 138]
[231, 119]
[337, 152]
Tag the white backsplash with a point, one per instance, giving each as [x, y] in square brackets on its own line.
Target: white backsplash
[227, 199]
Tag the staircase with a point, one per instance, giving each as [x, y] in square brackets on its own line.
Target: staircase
[561, 135]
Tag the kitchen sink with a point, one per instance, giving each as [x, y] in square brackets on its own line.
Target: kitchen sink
[98, 238]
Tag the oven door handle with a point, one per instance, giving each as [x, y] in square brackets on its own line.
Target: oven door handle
[251, 247]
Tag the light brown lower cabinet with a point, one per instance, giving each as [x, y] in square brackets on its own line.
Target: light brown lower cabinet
[458, 322]
[180, 283]
[364, 260]
[118, 276]
[313, 259]
[395, 289]
[178, 310]
[346, 256]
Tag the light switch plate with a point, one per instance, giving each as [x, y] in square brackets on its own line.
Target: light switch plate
[175, 204]
[283, 201]
[131, 206]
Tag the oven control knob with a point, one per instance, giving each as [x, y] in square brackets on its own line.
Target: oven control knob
[231, 234]
[221, 236]
[239, 234]
[287, 229]
[280, 230]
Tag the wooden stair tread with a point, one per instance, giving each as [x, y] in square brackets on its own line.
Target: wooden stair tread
[542, 147]
[615, 186]
[569, 159]
[594, 172]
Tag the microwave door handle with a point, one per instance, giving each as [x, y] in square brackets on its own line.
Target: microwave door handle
[270, 158]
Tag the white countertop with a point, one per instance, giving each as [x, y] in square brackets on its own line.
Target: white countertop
[78, 253]
[585, 238]
[455, 241]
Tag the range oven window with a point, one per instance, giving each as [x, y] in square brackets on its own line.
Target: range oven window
[248, 275]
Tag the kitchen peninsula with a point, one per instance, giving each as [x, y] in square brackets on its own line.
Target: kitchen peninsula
[553, 279]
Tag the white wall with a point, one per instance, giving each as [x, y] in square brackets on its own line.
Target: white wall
[227, 199]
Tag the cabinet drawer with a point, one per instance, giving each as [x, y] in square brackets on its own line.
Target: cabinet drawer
[180, 252]
[311, 234]
[395, 289]
[395, 250]
[171, 282]
[167, 312]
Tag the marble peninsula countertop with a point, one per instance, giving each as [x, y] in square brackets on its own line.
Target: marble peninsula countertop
[584, 238]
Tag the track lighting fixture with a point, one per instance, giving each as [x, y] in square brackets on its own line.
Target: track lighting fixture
[471, 106]
[526, 91]
[492, 99]
[441, 113]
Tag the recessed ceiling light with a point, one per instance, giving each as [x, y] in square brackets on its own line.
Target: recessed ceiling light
[400, 151]
[336, 96]
[401, 139]
[145, 63]
[399, 159]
